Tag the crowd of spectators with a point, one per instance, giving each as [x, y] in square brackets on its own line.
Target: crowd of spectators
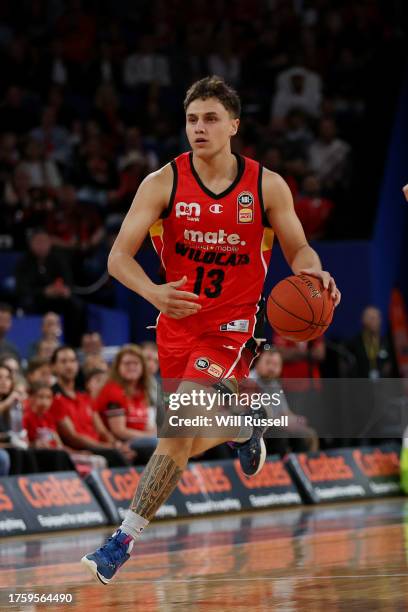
[91, 101]
[73, 409]
[91, 407]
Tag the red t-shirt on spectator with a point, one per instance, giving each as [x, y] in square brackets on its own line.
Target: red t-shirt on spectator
[78, 409]
[314, 214]
[37, 425]
[113, 401]
[303, 368]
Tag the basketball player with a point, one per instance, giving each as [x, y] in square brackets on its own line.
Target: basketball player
[212, 215]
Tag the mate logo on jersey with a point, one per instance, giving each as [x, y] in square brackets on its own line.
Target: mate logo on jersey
[191, 211]
[220, 237]
[245, 207]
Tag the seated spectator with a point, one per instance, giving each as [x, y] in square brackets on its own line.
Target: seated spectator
[95, 380]
[329, 158]
[16, 197]
[12, 435]
[44, 283]
[11, 411]
[91, 344]
[134, 170]
[146, 67]
[46, 348]
[298, 136]
[301, 362]
[124, 401]
[372, 351]
[107, 111]
[53, 138]
[42, 432]
[43, 172]
[39, 420]
[79, 426]
[6, 321]
[312, 209]
[94, 361]
[273, 160]
[39, 370]
[14, 366]
[224, 63]
[151, 357]
[134, 144]
[296, 88]
[51, 330]
[268, 370]
[74, 227]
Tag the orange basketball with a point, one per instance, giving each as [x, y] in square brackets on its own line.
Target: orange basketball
[299, 308]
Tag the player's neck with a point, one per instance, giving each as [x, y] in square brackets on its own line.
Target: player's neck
[223, 165]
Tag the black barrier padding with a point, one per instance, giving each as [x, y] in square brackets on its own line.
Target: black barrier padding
[37, 503]
[204, 488]
[346, 474]
[94, 481]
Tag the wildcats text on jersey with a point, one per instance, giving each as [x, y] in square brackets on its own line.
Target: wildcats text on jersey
[212, 257]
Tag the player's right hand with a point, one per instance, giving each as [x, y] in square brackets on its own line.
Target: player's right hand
[173, 302]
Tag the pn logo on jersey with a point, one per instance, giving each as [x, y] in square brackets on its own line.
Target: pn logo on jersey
[213, 369]
[191, 211]
[245, 207]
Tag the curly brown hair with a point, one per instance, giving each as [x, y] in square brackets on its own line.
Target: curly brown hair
[144, 382]
[214, 87]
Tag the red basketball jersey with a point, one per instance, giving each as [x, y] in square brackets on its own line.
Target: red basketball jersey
[221, 242]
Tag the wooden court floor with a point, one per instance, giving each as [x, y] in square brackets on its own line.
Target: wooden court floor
[334, 558]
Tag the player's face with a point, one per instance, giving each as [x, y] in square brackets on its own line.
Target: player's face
[209, 127]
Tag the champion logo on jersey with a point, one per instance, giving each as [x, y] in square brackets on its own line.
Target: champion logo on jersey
[191, 211]
[245, 207]
[216, 209]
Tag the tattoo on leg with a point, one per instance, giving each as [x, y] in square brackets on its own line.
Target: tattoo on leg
[157, 482]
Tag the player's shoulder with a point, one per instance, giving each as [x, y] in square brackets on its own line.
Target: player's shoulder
[271, 178]
[274, 186]
[161, 178]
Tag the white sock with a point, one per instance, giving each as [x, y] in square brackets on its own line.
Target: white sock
[133, 524]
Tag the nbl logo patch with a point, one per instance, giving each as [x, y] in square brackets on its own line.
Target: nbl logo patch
[245, 207]
[202, 363]
[212, 368]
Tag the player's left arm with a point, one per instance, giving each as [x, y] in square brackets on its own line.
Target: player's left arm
[282, 217]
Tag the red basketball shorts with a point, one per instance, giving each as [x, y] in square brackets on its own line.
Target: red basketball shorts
[186, 354]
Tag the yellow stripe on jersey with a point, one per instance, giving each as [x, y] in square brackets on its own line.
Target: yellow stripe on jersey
[156, 235]
[267, 240]
[157, 228]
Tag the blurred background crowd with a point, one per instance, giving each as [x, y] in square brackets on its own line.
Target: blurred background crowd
[91, 102]
[97, 406]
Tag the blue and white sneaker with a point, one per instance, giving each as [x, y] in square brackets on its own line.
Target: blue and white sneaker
[105, 561]
[252, 453]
